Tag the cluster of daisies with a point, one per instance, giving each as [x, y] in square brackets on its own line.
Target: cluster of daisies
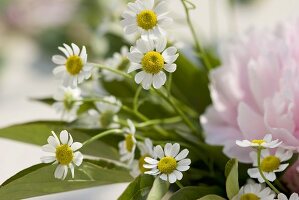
[268, 158]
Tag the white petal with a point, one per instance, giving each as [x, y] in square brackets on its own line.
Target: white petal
[48, 159]
[59, 172]
[183, 168]
[161, 44]
[69, 49]
[83, 54]
[175, 150]
[170, 59]
[49, 148]
[159, 80]
[66, 53]
[59, 71]
[78, 158]
[178, 174]
[147, 166]
[131, 29]
[172, 178]
[151, 160]
[71, 166]
[76, 49]
[53, 141]
[167, 149]
[268, 138]
[161, 8]
[159, 151]
[184, 162]
[135, 57]
[70, 142]
[147, 81]
[183, 154]
[64, 172]
[170, 67]
[64, 137]
[76, 145]
[133, 67]
[139, 77]
[270, 176]
[59, 60]
[163, 177]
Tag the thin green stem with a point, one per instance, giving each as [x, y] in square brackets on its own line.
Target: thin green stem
[136, 96]
[100, 135]
[169, 84]
[159, 121]
[261, 172]
[112, 70]
[198, 47]
[179, 184]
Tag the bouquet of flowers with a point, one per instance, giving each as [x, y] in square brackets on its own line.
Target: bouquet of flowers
[176, 128]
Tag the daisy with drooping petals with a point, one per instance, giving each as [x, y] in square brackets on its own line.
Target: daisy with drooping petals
[146, 150]
[105, 115]
[168, 164]
[73, 68]
[151, 57]
[146, 17]
[67, 102]
[282, 196]
[270, 164]
[266, 142]
[254, 191]
[65, 154]
[127, 147]
[120, 62]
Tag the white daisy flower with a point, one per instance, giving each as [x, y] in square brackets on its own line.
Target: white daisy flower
[64, 153]
[282, 196]
[73, 68]
[266, 142]
[270, 164]
[120, 62]
[152, 58]
[127, 147]
[67, 102]
[146, 150]
[147, 18]
[105, 115]
[254, 191]
[168, 164]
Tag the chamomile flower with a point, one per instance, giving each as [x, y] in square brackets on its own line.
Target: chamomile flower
[67, 102]
[168, 164]
[266, 142]
[64, 153]
[254, 191]
[105, 115]
[270, 164]
[146, 17]
[151, 58]
[282, 196]
[127, 147]
[146, 150]
[120, 62]
[73, 68]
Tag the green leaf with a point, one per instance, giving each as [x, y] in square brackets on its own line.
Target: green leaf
[42, 181]
[38, 132]
[212, 197]
[232, 182]
[138, 189]
[195, 192]
[158, 190]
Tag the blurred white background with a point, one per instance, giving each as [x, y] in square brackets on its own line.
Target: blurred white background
[23, 74]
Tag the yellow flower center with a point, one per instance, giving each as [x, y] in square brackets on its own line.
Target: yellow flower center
[129, 142]
[270, 163]
[147, 19]
[167, 165]
[74, 65]
[152, 62]
[142, 162]
[259, 142]
[64, 154]
[106, 118]
[249, 196]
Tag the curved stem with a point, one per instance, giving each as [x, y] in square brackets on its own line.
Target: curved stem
[179, 184]
[100, 135]
[112, 70]
[198, 47]
[136, 96]
[261, 172]
[160, 121]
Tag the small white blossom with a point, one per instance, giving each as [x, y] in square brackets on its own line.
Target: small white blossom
[266, 142]
[270, 164]
[64, 153]
[168, 164]
[282, 196]
[254, 191]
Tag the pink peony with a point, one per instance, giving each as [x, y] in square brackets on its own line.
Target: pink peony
[255, 91]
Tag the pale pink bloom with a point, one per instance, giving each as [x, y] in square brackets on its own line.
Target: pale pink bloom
[255, 91]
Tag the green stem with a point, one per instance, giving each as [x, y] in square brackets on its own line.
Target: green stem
[261, 172]
[160, 121]
[135, 102]
[112, 70]
[198, 47]
[179, 184]
[100, 135]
